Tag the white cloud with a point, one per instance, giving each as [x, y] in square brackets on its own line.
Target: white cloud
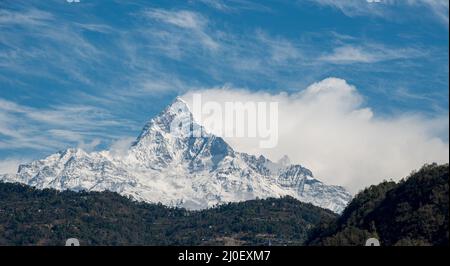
[182, 19]
[234, 5]
[279, 49]
[368, 54]
[438, 8]
[327, 128]
[188, 20]
[349, 54]
[10, 165]
[216, 4]
[60, 44]
[55, 127]
[89, 146]
[121, 146]
[32, 17]
[353, 7]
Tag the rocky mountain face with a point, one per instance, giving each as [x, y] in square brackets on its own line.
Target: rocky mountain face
[180, 169]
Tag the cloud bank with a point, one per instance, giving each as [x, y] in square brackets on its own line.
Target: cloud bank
[328, 128]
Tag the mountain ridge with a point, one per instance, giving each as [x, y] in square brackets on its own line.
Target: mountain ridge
[168, 164]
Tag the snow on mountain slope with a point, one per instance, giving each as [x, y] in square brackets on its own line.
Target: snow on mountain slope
[179, 170]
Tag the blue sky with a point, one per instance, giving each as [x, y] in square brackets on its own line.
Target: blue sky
[90, 73]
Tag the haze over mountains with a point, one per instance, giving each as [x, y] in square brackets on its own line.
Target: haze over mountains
[180, 170]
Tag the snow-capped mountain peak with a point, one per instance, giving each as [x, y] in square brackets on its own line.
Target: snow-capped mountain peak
[169, 164]
[171, 118]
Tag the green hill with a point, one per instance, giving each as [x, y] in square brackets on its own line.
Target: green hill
[414, 211]
[47, 217]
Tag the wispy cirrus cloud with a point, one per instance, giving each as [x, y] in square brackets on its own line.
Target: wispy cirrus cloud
[354, 7]
[384, 8]
[189, 39]
[160, 38]
[279, 49]
[234, 5]
[439, 7]
[60, 44]
[194, 22]
[368, 53]
[183, 18]
[32, 17]
[55, 127]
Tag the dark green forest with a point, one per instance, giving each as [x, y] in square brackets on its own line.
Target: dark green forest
[47, 217]
[412, 212]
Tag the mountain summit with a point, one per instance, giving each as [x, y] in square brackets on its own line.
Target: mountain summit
[167, 165]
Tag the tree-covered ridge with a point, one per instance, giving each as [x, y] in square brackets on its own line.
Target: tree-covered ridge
[414, 211]
[47, 217]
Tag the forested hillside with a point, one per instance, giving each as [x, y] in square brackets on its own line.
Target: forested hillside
[414, 211]
[48, 217]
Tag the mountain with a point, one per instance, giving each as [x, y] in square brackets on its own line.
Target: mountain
[29, 216]
[412, 212]
[181, 169]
